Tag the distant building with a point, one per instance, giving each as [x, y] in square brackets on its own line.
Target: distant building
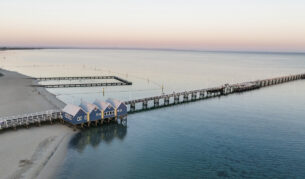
[74, 114]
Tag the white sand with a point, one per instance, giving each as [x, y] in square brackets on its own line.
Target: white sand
[35, 152]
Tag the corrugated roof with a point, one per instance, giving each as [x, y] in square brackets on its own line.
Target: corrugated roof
[88, 107]
[114, 102]
[71, 109]
[101, 104]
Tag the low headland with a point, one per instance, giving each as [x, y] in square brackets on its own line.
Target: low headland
[38, 151]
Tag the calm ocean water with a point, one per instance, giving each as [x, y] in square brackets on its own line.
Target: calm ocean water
[258, 134]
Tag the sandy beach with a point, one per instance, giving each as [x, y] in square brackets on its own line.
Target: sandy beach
[35, 152]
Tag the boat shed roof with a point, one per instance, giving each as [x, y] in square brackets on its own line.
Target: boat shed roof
[88, 107]
[114, 102]
[71, 109]
[101, 104]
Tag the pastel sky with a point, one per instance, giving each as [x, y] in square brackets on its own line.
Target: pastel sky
[271, 25]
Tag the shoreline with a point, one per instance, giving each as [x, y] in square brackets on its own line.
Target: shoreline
[55, 160]
[36, 152]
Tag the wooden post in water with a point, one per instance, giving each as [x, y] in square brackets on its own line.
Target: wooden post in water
[166, 101]
[194, 95]
[156, 103]
[132, 107]
[185, 97]
[201, 95]
[176, 99]
[144, 105]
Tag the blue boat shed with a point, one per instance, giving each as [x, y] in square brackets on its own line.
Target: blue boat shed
[74, 114]
[106, 108]
[93, 112]
[119, 107]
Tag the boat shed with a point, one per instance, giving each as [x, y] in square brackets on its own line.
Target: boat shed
[74, 114]
[119, 106]
[93, 112]
[106, 108]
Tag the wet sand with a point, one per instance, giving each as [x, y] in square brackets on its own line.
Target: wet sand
[33, 152]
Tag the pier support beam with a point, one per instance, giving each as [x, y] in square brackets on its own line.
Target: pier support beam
[194, 96]
[176, 99]
[144, 105]
[207, 95]
[201, 95]
[50, 119]
[186, 97]
[156, 102]
[132, 107]
[166, 101]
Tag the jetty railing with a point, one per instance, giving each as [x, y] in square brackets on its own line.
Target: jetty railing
[30, 118]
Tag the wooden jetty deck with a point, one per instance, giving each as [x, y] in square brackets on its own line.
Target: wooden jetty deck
[121, 82]
[157, 101]
[28, 119]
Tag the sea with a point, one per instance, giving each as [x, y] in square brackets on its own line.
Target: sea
[256, 134]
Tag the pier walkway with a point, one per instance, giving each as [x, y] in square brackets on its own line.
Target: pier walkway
[156, 101]
[28, 119]
[189, 96]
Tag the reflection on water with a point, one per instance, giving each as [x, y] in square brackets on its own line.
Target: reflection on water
[95, 135]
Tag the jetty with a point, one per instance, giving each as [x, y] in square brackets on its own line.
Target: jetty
[31, 118]
[195, 95]
[120, 81]
[155, 101]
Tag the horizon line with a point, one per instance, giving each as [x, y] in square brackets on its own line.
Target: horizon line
[152, 49]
